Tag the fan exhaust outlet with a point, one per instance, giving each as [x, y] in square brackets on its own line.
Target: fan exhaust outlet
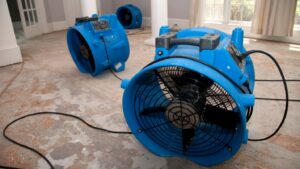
[130, 16]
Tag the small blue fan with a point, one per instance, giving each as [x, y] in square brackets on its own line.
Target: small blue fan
[98, 43]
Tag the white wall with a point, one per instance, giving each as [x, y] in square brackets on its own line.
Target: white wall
[72, 9]
[106, 6]
[54, 10]
[61, 14]
[9, 50]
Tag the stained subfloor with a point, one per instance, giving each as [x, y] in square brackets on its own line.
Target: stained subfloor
[49, 81]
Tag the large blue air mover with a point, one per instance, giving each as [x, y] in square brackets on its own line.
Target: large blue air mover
[98, 43]
[130, 16]
[192, 101]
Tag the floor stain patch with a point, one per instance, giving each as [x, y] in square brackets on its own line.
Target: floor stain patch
[288, 142]
[66, 150]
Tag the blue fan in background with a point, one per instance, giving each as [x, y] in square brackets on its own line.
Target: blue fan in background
[130, 16]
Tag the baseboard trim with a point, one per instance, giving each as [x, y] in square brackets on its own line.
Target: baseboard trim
[10, 56]
[57, 26]
[146, 21]
[182, 23]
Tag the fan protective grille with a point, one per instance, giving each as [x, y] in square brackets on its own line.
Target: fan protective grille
[185, 112]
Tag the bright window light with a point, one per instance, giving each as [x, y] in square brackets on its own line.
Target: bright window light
[297, 16]
[229, 11]
[242, 10]
[213, 10]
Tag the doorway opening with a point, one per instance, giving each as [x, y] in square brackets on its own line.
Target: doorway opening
[16, 20]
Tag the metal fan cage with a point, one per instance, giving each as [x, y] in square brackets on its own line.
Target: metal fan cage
[171, 105]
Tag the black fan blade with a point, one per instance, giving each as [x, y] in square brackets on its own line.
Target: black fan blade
[86, 52]
[169, 83]
[192, 86]
[224, 118]
[153, 110]
[187, 135]
[189, 77]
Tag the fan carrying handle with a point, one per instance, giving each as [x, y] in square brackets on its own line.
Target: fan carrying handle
[169, 40]
[85, 19]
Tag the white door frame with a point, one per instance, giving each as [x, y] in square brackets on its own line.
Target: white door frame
[31, 26]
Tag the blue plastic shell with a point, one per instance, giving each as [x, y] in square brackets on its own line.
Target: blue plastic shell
[107, 46]
[219, 66]
[220, 57]
[130, 16]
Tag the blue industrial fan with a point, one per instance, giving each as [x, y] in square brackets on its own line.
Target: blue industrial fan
[193, 100]
[130, 16]
[98, 43]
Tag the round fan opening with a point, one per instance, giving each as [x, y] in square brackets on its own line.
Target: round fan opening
[125, 16]
[81, 51]
[185, 112]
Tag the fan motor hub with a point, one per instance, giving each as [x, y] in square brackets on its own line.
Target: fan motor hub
[182, 114]
[84, 51]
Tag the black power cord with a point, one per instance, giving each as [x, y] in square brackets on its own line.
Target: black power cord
[47, 113]
[8, 167]
[51, 113]
[243, 56]
[111, 70]
[116, 76]
[276, 99]
[277, 80]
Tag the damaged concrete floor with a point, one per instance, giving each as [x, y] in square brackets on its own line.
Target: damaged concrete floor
[49, 81]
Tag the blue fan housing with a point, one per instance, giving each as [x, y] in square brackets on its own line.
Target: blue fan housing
[130, 16]
[192, 101]
[98, 43]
